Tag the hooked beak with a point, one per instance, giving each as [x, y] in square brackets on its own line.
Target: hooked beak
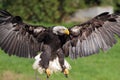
[66, 32]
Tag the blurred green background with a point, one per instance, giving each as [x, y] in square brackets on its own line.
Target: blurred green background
[51, 11]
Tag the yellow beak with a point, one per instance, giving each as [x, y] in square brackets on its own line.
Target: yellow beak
[66, 32]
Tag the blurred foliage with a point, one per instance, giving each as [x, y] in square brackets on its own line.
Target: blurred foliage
[51, 11]
[117, 6]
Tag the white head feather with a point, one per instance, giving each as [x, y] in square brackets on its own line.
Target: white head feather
[59, 29]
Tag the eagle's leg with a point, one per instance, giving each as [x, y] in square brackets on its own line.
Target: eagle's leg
[48, 72]
[45, 58]
[61, 60]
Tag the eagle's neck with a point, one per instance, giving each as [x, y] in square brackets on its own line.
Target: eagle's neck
[63, 39]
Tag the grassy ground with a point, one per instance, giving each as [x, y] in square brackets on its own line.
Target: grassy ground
[96, 67]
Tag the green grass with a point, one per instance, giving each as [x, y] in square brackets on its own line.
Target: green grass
[96, 67]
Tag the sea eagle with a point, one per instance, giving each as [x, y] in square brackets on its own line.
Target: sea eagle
[49, 46]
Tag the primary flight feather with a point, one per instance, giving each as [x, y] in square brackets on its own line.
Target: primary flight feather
[51, 45]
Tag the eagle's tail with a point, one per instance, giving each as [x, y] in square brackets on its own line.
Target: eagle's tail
[54, 65]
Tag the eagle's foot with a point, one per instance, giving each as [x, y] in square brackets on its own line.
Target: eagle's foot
[66, 72]
[48, 72]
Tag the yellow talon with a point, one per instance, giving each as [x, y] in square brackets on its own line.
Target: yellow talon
[48, 72]
[66, 72]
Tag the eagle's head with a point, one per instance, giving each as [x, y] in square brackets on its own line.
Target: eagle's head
[60, 30]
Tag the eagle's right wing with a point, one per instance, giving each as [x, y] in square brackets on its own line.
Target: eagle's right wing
[18, 38]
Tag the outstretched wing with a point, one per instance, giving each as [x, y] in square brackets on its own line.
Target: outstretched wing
[18, 38]
[88, 38]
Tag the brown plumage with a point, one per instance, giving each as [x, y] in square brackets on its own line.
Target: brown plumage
[93, 35]
[24, 40]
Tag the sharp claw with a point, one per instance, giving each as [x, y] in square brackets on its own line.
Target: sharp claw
[48, 72]
[66, 75]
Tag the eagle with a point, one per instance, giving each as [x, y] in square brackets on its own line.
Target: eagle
[50, 45]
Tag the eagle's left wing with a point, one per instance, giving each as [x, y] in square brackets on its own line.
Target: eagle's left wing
[88, 38]
[18, 38]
